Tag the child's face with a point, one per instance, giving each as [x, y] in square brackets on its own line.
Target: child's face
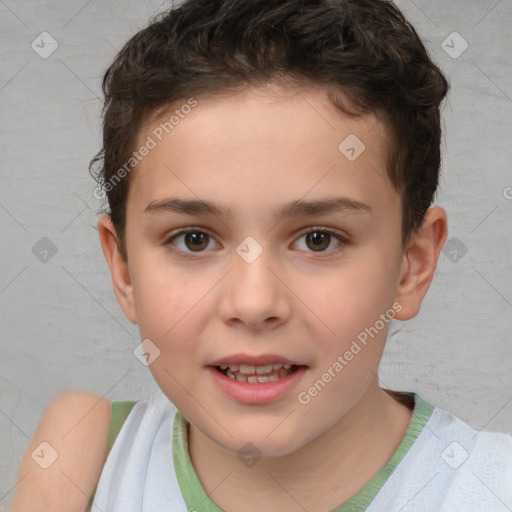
[304, 298]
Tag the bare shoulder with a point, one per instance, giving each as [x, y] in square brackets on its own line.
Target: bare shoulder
[64, 458]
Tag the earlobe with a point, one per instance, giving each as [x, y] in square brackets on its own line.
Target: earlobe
[420, 261]
[118, 266]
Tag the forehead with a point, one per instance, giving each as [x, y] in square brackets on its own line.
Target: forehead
[260, 147]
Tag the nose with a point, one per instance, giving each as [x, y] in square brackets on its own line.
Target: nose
[255, 293]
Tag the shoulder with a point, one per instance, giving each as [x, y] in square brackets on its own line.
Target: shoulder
[477, 443]
[65, 456]
[493, 450]
[72, 403]
[479, 462]
[483, 475]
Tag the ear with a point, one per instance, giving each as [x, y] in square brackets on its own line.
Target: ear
[118, 267]
[420, 261]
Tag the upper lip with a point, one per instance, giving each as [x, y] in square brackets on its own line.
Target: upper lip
[260, 360]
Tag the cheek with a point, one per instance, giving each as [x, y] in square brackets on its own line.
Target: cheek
[163, 297]
[165, 303]
[349, 299]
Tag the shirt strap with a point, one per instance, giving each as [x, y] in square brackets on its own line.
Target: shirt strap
[120, 411]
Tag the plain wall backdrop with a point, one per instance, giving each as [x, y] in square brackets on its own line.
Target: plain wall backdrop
[60, 325]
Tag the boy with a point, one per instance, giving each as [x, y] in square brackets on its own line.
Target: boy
[269, 168]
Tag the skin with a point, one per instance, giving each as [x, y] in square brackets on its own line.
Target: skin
[255, 151]
[75, 425]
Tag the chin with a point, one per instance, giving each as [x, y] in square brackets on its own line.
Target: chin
[259, 442]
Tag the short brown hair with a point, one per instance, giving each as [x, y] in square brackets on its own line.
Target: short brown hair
[364, 49]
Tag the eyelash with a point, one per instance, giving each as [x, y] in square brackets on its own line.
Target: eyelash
[193, 255]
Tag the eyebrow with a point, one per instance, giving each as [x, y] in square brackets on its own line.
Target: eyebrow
[327, 206]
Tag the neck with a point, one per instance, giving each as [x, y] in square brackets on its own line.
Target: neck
[343, 460]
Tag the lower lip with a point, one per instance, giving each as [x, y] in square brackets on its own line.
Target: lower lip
[260, 393]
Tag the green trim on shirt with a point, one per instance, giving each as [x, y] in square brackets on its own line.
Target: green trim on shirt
[196, 498]
[361, 500]
[120, 411]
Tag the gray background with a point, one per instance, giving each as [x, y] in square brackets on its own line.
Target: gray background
[60, 325]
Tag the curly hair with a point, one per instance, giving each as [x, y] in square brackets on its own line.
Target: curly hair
[362, 50]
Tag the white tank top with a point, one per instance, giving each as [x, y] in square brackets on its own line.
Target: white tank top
[441, 465]
[139, 472]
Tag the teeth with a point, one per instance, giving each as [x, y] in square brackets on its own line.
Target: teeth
[253, 379]
[281, 373]
[264, 369]
[250, 369]
[238, 376]
[247, 369]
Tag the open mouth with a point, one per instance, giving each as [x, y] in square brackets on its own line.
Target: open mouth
[257, 374]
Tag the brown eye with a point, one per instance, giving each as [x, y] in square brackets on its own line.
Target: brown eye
[196, 240]
[318, 240]
[189, 241]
